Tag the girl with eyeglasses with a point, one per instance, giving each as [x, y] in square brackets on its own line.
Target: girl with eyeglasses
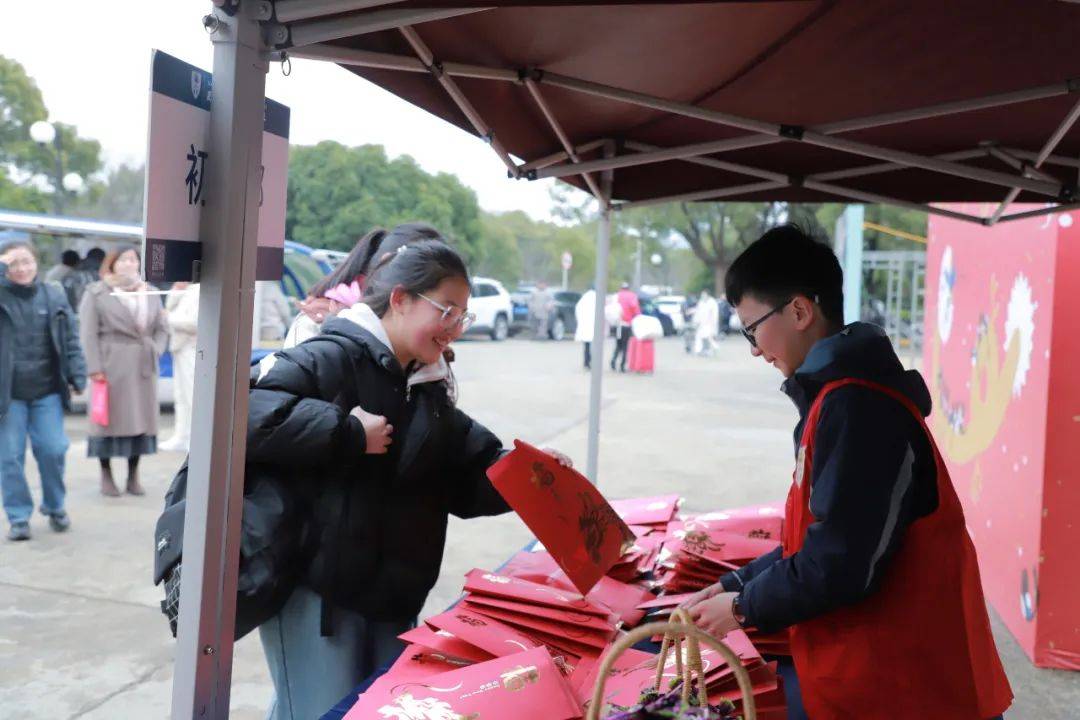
[363, 417]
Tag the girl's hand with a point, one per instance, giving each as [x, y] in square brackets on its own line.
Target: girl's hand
[98, 376]
[376, 429]
[563, 460]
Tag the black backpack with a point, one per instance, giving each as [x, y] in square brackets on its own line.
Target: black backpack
[274, 547]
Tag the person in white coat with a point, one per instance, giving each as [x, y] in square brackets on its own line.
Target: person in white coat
[182, 306]
[584, 313]
[706, 323]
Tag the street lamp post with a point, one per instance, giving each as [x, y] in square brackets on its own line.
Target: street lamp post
[45, 133]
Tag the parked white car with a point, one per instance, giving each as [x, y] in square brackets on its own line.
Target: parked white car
[491, 304]
[672, 306]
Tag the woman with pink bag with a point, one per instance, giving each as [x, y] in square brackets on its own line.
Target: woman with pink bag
[40, 363]
[124, 333]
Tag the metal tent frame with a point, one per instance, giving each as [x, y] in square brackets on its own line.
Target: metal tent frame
[248, 34]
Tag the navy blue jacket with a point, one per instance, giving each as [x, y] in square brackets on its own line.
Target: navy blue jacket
[873, 475]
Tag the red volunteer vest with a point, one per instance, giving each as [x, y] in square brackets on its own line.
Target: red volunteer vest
[919, 647]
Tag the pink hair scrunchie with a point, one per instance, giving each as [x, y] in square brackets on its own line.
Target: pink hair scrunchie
[347, 295]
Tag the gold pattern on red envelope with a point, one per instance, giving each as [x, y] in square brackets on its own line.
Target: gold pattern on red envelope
[516, 680]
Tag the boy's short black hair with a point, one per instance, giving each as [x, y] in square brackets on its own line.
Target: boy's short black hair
[784, 262]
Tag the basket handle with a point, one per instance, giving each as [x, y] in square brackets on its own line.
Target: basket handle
[689, 630]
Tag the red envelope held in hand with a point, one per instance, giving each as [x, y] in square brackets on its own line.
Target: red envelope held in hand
[565, 511]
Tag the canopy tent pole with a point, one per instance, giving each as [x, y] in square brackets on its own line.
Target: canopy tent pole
[1017, 164]
[714, 163]
[1049, 210]
[879, 168]
[705, 194]
[228, 232]
[452, 89]
[870, 197]
[770, 133]
[562, 155]
[810, 137]
[298, 34]
[404, 63]
[1048, 148]
[596, 379]
[1051, 159]
[530, 85]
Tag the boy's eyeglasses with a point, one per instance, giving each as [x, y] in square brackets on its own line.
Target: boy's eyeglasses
[452, 316]
[748, 331]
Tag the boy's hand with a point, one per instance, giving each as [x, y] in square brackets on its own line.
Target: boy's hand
[715, 615]
[376, 429]
[563, 460]
[702, 595]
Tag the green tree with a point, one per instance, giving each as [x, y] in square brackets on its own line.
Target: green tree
[540, 246]
[21, 105]
[119, 197]
[714, 232]
[337, 194]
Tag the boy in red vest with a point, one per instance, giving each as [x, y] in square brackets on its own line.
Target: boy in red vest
[876, 575]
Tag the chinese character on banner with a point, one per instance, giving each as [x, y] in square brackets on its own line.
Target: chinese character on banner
[196, 174]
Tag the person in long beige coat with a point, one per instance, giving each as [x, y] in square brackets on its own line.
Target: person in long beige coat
[123, 332]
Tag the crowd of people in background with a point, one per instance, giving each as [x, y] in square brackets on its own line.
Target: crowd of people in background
[84, 321]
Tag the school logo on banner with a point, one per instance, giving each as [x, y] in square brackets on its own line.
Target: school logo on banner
[196, 83]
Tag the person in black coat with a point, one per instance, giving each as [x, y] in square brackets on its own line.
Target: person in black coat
[41, 362]
[363, 419]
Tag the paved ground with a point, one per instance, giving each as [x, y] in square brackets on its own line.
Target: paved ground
[81, 635]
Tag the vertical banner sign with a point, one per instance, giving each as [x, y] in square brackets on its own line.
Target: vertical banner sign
[176, 161]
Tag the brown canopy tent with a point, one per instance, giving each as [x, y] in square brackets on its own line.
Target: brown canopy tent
[902, 102]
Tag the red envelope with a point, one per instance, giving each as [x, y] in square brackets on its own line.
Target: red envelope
[633, 672]
[565, 511]
[533, 624]
[446, 643]
[524, 686]
[718, 545]
[488, 634]
[565, 617]
[666, 601]
[418, 662]
[496, 585]
[647, 510]
[531, 565]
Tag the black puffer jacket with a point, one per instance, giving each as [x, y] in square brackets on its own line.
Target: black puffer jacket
[380, 520]
[69, 366]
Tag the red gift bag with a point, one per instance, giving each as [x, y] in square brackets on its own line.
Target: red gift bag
[99, 402]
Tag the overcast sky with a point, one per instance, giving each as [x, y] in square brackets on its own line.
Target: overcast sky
[91, 59]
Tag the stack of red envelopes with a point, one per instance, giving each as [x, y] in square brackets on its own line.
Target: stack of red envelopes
[621, 598]
[557, 617]
[698, 550]
[526, 686]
